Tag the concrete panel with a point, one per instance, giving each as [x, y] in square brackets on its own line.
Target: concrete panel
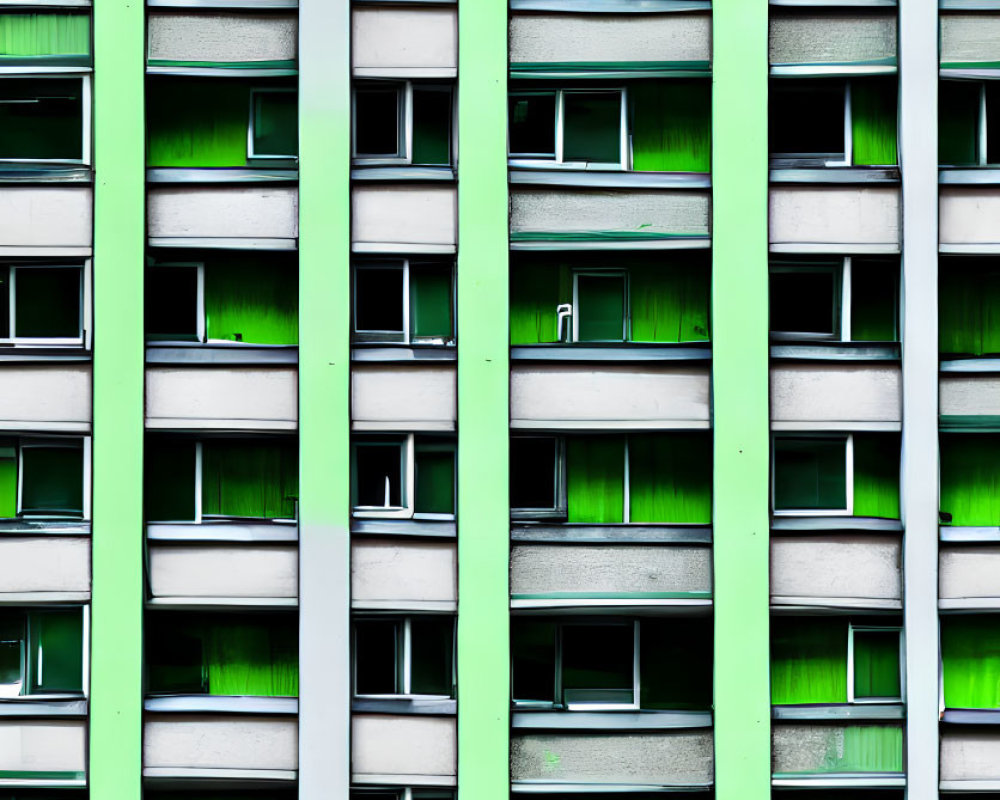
[970, 215]
[830, 37]
[49, 397]
[395, 218]
[403, 398]
[804, 748]
[969, 36]
[969, 571]
[679, 758]
[543, 568]
[197, 741]
[643, 395]
[607, 37]
[404, 38]
[835, 395]
[232, 398]
[969, 395]
[45, 564]
[43, 746]
[862, 567]
[562, 211]
[223, 571]
[970, 754]
[418, 749]
[227, 212]
[220, 36]
[46, 216]
[835, 215]
[388, 571]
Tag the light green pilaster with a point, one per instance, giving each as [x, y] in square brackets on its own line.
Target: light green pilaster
[119, 233]
[483, 503]
[740, 392]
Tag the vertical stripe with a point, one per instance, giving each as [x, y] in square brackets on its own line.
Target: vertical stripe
[324, 416]
[740, 392]
[483, 504]
[918, 69]
[119, 232]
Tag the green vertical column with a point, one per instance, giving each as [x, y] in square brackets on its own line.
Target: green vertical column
[483, 502]
[740, 396]
[119, 234]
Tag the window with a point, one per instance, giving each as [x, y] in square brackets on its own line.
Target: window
[45, 120]
[832, 122]
[402, 794]
[970, 479]
[600, 306]
[408, 656]
[238, 301]
[274, 124]
[43, 478]
[403, 477]
[836, 474]
[874, 659]
[219, 480]
[843, 300]
[969, 123]
[578, 128]
[404, 302]
[402, 122]
[969, 297]
[42, 653]
[970, 660]
[652, 477]
[43, 304]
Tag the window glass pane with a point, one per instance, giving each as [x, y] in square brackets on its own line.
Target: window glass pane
[431, 302]
[376, 660]
[55, 651]
[958, 123]
[378, 299]
[600, 308]
[595, 478]
[379, 470]
[874, 299]
[175, 658]
[876, 475]
[970, 660]
[808, 660]
[376, 123]
[597, 663]
[592, 124]
[4, 302]
[537, 287]
[992, 122]
[249, 479]
[435, 479]
[41, 119]
[675, 664]
[669, 302]
[671, 125]
[806, 118]
[53, 481]
[805, 302]
[873, 121]
[47, 302]
[252, 301]
[431, 126]
[11, 653]
[172, 303]
[170, 480]
[533, 472]
[670, 477]
[969, 293]
[533, 660]
[970, 478]
[8, 479]
[876, 664]
[810, 474]
[431, 657]
[533, 124]
[275, 124]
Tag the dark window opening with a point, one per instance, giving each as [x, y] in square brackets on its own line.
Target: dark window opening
[533, 472]
[533, 125]
[376, 123]
[806, 119]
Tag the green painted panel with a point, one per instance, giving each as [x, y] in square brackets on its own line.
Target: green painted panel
[808, 660]
[675, 664]
[250, 479]
[170, 480]
[856, 748]
[873, 121]
[45, 34]
[670, 477]
[969, 306]
[876, 475]
[248, 301]
[595, 478]
[435, 479]
[669, 301]
[431, 302]
[970, 661]
[536, 288]
[958, 123]
[876, 664]
[970, 478]
[671, 125]
[8, 481]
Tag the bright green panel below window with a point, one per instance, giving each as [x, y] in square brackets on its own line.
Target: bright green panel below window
[249, 479]
[675, 664]
[873, 121]
[431, 127]
[669, 302]
[671, 125]
[592, 127]
[600, 308]
[435, 481]
[876, 664]
[970, 658]
[52, 481]
[969, 307]
[874, 300]
[810, 474]
[670, 477]
[8, 481]
[252, 302]
[536, 288]
[170, 491]
[197, 122]
[275, 124]
[595, 478]
[808, 661]
[431, 302]
[958, 123]
[56, 638]
[876, 475]
[970, 478]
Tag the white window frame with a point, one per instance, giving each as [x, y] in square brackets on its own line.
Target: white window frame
[559, 511]
[251, 153]
[406, 491]
[626, 306]
[848, 476]
[201, 329]
[84, 692]
[851, 629]
[403, 662]
[558, 161]
[404, 121]
[848, 159]
[842, 299]
[86, 116]
[82, 341]
[82, 443]
[406, 337]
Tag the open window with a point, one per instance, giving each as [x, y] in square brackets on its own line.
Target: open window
[412, 656]
[405, 477]
[836, 474]
[968, 123]
[43, 477]
[404, 301]
[832, 122]
[221, 480]
[222, 654]
[599, 479]
[43, 652]
[42, 304]
[402, 122]
[875, 663]
[45, 120]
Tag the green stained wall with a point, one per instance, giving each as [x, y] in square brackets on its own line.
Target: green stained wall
[45, 34]
[808, 660]
[876, 475]
[252, 302]
[873, 121]
[970, 478]
[671, 125]
[969, 306]
[970, 659]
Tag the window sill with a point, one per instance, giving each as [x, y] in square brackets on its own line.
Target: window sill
[31, 527]
[827, 69]
[220, 353]
[405, 705]
[971, 716]
[618, 353]
[978, 176]
[62, 708]
[971, 364]
[221, 175]
[235, 69]
[611, 6]
[665, 604]
[221, 704]
[836, 351]
[436, 529]
[843, 3]
[226, 4]
[582, 533]
[839, 711]
[45, 173]
[187, 603]
[821, 524]
[610, 720]
[43, 354]
[222, 532]
[401, 353]
[844, 780]
[796, 604]
[373, 172]
[550, 175]
[608, 70]
[970, 5]
[845, 175]
[961, 605]
[969, 534]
